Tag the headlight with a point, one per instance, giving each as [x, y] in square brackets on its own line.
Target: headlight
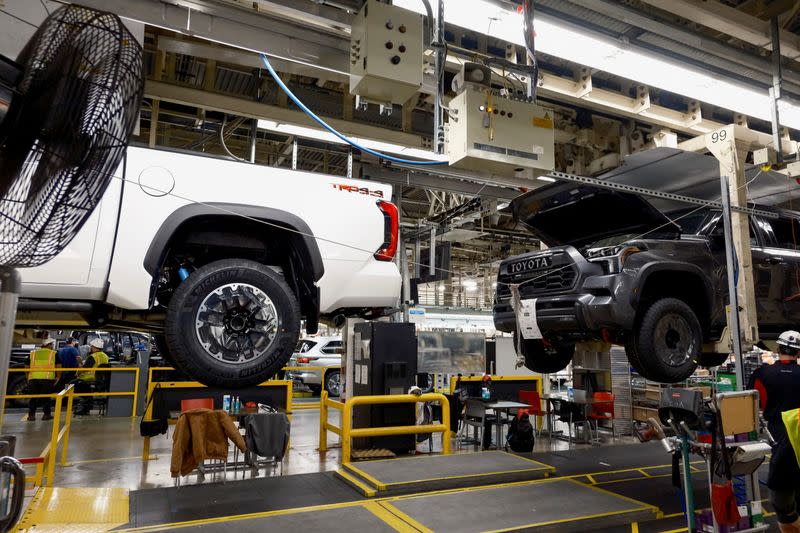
[612, 258]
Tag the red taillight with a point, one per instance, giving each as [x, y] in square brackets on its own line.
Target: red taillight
[306, 360]
[391, 224]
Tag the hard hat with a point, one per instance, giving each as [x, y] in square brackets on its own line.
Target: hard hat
[48, 341]
[97, 343]
[790, 339]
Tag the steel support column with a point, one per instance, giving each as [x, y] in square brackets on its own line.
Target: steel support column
[722, 144]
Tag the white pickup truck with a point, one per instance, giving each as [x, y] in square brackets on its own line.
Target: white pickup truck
[224, 259]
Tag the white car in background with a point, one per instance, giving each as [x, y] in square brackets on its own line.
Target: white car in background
[318, 351]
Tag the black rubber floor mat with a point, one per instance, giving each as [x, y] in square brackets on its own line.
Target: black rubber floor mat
[211, 500]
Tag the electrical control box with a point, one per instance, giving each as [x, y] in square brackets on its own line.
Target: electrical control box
[498, 134]
[386, 53]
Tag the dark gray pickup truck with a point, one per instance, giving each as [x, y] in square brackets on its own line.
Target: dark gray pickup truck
[620, 271]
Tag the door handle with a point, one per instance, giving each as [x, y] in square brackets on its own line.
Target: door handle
[773, 260]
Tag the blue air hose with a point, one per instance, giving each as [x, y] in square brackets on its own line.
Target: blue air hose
[328, 127]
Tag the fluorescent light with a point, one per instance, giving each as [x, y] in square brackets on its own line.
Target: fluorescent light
[609, 55]
[470, 284]
[326, 136]
[441, 287]
[546, 178]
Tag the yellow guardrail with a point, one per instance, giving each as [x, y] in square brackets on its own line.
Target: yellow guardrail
[348, 433]
[134, 392]
[46, 461]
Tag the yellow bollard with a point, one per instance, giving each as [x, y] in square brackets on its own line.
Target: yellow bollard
[135, 392]
[67, 423]
[347, 422]
[51, 454]
[446, 423]
[323, 420]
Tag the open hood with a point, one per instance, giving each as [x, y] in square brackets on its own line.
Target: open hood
[578, 215]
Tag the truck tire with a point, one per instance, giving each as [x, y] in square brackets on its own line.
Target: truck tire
[668, 341]
[232, 324]
[545, 360]
[633, 358]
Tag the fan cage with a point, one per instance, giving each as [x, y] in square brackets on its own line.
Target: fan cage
[76, 108]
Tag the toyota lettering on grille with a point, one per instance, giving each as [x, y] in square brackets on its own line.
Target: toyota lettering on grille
[534, 263]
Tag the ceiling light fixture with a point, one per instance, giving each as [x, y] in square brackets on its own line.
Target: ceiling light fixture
[610, 55]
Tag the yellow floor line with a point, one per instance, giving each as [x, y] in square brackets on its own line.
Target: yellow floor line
[405, 518]
[390, 519]
[139, 457]
[635, 527]
[368, 491]
[378, 484]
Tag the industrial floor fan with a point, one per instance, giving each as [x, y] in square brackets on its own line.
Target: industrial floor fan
[68, 106]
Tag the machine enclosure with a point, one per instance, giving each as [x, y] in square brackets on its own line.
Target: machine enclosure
[499, 135]
[385, 362]
[386, 54]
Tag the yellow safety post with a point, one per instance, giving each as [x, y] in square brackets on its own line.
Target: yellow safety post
[55, 435]
[323, 420]
[135, 392]
[148, 415]
[67, 424]
[50, 470]
[347, 422]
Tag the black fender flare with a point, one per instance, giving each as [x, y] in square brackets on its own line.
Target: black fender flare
[653, 267]
[157, 250]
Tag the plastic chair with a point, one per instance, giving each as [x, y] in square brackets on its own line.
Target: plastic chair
[602, 409]
[197, 403]
[476, 417]
[532, 398]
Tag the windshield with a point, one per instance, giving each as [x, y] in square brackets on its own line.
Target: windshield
[690, 220]
[304, 346]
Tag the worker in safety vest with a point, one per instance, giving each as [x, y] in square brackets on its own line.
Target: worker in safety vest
[86, 378]
[779, 388]
[42, 381]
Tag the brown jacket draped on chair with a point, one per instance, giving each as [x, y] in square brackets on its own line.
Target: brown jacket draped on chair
[202, 434]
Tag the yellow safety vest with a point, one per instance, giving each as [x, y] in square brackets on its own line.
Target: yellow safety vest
[791, 419]
[43, 358]
[100, 358]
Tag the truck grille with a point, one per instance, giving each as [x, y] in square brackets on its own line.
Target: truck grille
[561, 277]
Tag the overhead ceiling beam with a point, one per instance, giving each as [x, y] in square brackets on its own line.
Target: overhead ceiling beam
[730, 21]
[236, 27]
[316, 14]
[167, 92]
[240, 28]
[236, 56]
[680, 35]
